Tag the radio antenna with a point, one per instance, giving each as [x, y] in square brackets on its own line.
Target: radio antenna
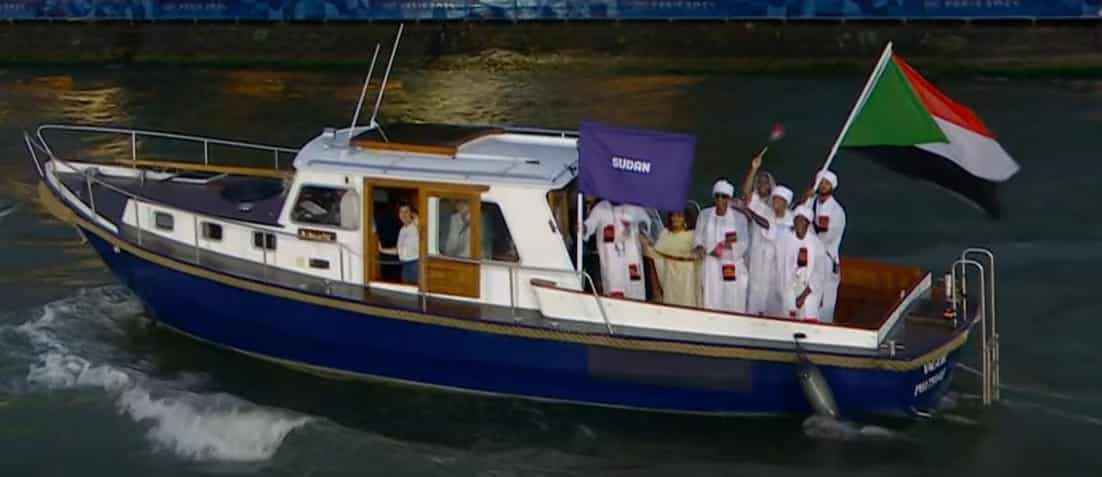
[363, 93]
[386, 75]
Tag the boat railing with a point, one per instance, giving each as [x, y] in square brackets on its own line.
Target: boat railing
[344, 251]
[280, 163]
[515, 267]
[982, 261]
[269, 259]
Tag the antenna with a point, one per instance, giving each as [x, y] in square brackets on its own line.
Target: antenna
[386, 76]
[363, 92]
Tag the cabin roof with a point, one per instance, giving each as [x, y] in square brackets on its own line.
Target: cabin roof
[448, 153]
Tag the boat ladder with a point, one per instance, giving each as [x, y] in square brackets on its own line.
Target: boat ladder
[982, 262]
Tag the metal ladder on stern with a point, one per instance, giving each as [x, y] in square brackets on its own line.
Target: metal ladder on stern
[982, 262]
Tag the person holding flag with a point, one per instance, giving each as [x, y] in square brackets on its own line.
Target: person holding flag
[829, 221]
[768, 230]
[902, 121]
[722, 238]
[757, 188]
[617, 228]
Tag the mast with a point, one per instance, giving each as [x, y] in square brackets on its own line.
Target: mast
[363, 92]
[386, 75]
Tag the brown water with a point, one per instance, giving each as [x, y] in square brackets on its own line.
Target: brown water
[86, 388]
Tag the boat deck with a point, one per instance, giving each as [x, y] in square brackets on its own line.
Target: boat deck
[218, 196]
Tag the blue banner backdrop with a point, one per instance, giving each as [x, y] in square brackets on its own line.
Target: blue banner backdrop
[361, 10]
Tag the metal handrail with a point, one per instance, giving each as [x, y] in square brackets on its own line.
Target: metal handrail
[135, 133]
[995, 371]
[515, 266]
[91, 179]
[985, 357]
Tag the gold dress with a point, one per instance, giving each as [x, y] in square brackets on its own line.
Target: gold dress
[676, 267]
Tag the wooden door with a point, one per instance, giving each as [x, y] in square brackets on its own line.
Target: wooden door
[452, 268]
[439, 273]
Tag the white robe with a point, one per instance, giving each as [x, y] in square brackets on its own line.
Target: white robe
[830, 224]
[759, 205]
[796, 275]
[617, 231]
[722, 289]
[764, 296]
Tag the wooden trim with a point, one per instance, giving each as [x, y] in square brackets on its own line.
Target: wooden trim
[370, 242]
[448, 151]
[190, 166]
[443, 187]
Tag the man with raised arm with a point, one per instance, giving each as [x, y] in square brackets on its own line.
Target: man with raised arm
[829, 221]
[764, 295]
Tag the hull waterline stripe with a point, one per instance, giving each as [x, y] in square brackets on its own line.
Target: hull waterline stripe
[331, 373]
[53, 205]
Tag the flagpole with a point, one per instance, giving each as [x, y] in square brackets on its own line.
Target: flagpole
[876, 72]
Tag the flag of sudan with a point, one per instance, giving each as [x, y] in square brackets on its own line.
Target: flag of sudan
[910, 126]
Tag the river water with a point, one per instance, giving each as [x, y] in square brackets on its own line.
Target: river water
[87, 388]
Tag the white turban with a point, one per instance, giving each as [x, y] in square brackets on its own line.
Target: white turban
[783, 192]
[826, 175]
[723, 187]
[803, 211]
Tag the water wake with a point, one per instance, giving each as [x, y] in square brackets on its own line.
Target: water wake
[7, 208]
[193, 425]
[828, 428]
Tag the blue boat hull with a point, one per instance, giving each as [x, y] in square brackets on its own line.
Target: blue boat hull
[329, 339]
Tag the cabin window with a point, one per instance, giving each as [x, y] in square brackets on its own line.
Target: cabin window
[497, 242]
[212, 231]
[264, 240]
[164, 221]
[331, 206]
[453, 218]
[564, 210]
[454, 231]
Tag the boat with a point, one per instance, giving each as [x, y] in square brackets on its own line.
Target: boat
[278, 253]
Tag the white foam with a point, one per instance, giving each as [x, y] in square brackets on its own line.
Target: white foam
[196, 431]
[828, 428]
[197, 426]
[57, 371]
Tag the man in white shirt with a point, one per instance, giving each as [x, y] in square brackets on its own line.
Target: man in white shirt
[830, 223]
[617, 229]
[800, 263]
[722, 238]
[408, 248]
[767, 230]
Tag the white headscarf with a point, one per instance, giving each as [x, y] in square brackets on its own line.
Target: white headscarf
[826, 175]
[722, 186]
[783, 192]
[804, 211]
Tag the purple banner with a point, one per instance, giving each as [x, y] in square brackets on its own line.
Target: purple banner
[635, 166]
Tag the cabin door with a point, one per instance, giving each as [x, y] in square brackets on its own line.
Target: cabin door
[449, 219]
[452, 247]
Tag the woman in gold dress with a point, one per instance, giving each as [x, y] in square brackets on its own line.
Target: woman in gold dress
[675, 265]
